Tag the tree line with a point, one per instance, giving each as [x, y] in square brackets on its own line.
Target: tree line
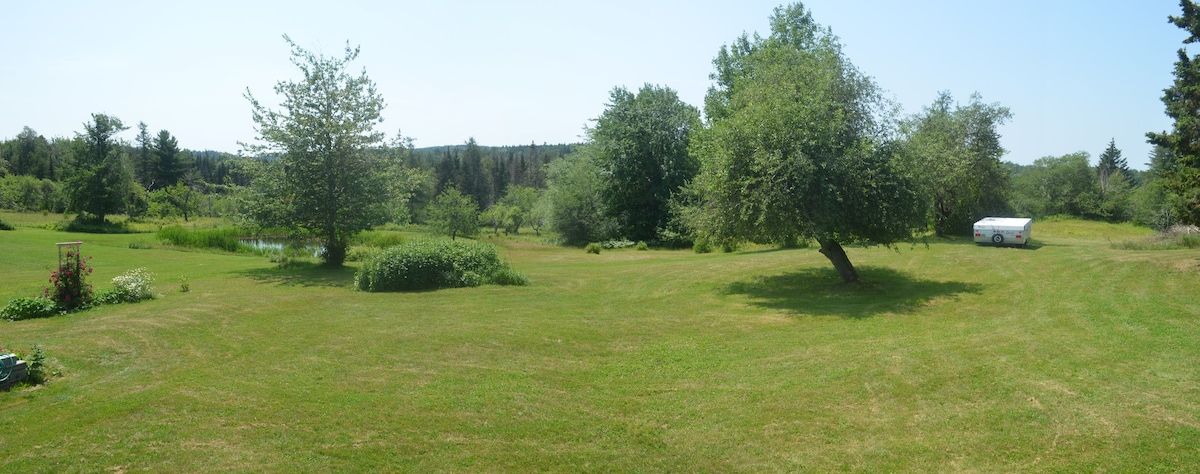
[793, 144]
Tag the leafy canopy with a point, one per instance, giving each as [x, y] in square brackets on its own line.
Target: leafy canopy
[325, 182]
[454, 213]
[954, 152]
[641, 145]
[794, 147]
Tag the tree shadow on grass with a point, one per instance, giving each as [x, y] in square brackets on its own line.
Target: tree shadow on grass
[820, 291]
[304, 274]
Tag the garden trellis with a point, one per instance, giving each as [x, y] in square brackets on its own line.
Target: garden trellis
[76, 245]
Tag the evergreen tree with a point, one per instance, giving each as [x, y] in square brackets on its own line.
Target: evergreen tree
[1111, 165]
[1183, 140]
[143, 162]
[100, 182]
[170, 163]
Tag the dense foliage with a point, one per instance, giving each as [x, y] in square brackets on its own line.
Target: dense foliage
[795, 149]
[325, 182]
[641, 145]
[1183, 141]
[954, 152]
[429, 264]
[453, 213]
[100, 181]
[29, 308]
[575, 193]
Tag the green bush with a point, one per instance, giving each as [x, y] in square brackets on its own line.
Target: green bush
[429, 264]
[641, 245]
[29, 308]
[5, 226]
[592, 248]
[508, 277]
[701, 245]
[110, 296]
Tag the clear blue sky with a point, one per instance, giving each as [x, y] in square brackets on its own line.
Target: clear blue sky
[1074, 73]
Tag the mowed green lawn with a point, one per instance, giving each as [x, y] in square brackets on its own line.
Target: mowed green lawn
[1066, 356]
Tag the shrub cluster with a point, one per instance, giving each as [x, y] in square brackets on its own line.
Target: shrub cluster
[133, 286]
[429, 264]
[29, 308]
[592, 248]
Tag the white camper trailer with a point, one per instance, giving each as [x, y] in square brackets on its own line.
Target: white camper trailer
[1003, 230]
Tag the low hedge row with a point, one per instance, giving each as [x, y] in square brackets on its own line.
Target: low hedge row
[429, 264]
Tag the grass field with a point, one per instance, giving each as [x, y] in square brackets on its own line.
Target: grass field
[1068, 355]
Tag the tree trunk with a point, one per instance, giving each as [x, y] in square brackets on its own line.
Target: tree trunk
[834, 252]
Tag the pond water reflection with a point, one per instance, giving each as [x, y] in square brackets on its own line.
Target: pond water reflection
[268, 245]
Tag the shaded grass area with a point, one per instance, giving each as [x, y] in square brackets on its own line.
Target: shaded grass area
[820, 291]
[1076, 357]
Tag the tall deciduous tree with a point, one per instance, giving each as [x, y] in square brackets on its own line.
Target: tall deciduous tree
[326, 183]
[794, 147]
[1183, 180]
[574, 190]
[100, 181]
[955, 151]
[641, 142]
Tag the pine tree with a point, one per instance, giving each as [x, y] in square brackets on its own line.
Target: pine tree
[1184, 139]
[1111, 163]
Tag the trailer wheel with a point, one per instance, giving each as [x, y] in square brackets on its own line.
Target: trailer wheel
[997, 239]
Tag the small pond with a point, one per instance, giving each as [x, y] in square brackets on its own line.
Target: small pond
[268, 245]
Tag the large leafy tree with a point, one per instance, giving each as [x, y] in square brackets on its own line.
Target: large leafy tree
[794, 148]
[325, 183]
[641, 144]
[100, 181]
[1181, 99]
[574, 192]
[954, 151]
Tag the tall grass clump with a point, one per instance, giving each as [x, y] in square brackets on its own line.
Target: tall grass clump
[430, 264]
[1176, 237]
[223, 238]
